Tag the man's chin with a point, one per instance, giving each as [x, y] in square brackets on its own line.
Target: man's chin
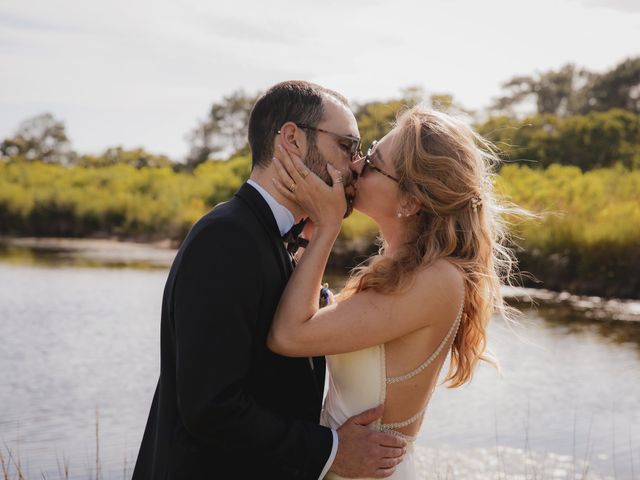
[350, 196]
[349, 210]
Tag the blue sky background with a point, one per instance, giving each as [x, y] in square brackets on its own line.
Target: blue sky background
[140, 73]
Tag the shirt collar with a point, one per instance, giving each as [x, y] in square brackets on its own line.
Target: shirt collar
[284, 218]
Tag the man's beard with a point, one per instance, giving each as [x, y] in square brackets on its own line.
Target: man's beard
[318, 165]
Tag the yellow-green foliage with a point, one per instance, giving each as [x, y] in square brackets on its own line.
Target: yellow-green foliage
[358, 226]
[583, 210]
[375, 119]
[44, 199]
[577, 209]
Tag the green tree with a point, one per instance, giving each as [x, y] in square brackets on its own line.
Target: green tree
[618, 88]
[42, 137]
[573, 91]
[224, 129]
[553, 92]
[375, 119]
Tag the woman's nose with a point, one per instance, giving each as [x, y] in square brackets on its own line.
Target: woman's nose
[356, 165]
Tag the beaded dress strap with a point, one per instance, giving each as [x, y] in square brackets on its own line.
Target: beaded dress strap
[386, 427]
[408, 438]
[433, 356]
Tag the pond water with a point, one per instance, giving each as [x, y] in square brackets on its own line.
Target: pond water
[81, 344]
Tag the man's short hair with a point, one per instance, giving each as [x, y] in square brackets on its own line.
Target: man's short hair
[294, 101]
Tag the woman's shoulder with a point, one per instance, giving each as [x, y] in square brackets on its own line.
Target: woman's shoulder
[440, 286]
[442, 271]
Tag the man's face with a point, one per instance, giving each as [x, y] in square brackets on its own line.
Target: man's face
[332, 149]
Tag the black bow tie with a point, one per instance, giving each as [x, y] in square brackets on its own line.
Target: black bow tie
[293, 239]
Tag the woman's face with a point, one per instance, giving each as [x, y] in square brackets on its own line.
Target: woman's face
[377, 184]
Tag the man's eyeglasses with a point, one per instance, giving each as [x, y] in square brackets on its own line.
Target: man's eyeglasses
[369, 164]
[354, 142]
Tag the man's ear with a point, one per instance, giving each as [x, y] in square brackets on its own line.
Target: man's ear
[290, 137]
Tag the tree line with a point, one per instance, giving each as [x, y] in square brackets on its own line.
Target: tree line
[569, 116]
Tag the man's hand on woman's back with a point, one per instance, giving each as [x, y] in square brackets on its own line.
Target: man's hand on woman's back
[363, 452]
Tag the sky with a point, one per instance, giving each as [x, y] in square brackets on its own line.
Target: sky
[141, 73]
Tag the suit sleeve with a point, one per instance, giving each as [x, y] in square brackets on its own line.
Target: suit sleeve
[216, 304]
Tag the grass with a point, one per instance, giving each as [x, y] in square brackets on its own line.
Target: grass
[434, 464]
[12, 468]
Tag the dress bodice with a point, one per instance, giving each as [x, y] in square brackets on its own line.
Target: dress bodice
[358, 381]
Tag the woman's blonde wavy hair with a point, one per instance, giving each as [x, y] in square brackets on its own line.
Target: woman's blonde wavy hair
[447, 168]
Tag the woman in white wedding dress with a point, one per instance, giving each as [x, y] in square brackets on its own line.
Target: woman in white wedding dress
[431, 289]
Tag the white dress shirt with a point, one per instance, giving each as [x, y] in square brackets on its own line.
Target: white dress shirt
[285, 220]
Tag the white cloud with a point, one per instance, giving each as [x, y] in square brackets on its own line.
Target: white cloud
[141, 73]
[622, 5]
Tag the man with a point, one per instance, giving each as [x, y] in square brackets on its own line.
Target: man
[225, 406]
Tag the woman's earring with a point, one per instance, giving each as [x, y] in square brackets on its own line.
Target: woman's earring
[400, 215]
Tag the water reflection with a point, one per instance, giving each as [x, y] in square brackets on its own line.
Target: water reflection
[572, 318]
[82, 253]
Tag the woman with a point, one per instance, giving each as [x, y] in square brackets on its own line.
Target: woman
[432, 288]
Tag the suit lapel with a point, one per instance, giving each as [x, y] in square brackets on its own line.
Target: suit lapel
[263, 213]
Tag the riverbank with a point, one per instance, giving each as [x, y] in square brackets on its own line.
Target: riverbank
[593, 272]
[114, 253]
[105, 252]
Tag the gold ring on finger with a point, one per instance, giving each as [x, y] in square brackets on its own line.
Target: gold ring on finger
[339, 180]
[292, 187]
[304, 173]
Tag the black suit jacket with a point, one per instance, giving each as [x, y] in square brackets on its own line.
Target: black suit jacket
[226, 406]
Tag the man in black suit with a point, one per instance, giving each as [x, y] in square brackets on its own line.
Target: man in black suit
[225, 406]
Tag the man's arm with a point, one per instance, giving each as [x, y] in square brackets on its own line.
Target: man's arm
[216, 300]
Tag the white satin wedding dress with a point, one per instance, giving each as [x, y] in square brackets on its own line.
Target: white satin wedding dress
[358, 381]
